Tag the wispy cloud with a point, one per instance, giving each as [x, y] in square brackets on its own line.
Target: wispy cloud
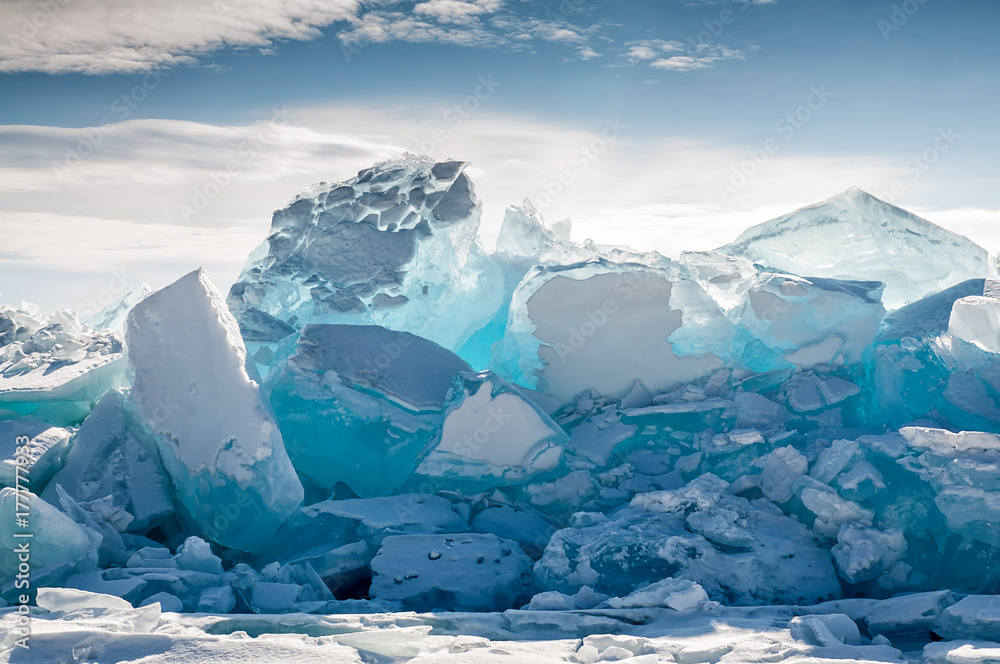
[587, 53]
[126, 36]
[477, 23]
[120, 207]
[131, 36]
[677, 56]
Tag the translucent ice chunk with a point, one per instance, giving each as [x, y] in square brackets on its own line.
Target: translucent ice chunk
[56, 540]
[856, 236]
[109, 458]
[359, 404]
[525, 234]
[67, 599]
[115, 314]
[812, 321]
[395, 246]
[656, 321]
[193, 394]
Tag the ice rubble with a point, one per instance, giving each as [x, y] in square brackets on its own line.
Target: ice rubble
[874, 241]
[604, 438]
[54, 368]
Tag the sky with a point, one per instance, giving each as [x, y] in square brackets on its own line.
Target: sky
[142, 139]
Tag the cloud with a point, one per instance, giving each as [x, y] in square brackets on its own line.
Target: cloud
[456, 11]
[121, 206]
[382, 27]
[587, 53]
[689, 57]
[477, 23]
[127, 36]
[649, 49]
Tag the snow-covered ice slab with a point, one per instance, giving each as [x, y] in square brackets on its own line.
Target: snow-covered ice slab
[192, 393]
[359, 404]
[53, 368]
[466, 572]
[395, 246]
[492, 435]
[857, 236]
[45, 447]
[657, 323]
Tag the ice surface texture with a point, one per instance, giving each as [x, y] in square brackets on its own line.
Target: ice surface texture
[395, 246]
[359, 404]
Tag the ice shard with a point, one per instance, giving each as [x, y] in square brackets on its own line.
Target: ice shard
[193, 395]
[359, 404]
[115, 314]
[854, 235]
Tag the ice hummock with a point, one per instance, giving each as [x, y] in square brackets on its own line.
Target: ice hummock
[394, 246]
[52, 367]
[193, 395]
[750, 435]
[854, 235]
